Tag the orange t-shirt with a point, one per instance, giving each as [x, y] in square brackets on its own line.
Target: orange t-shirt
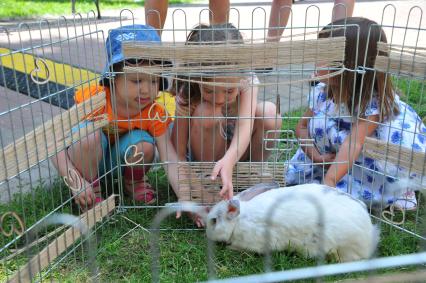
[153, 118]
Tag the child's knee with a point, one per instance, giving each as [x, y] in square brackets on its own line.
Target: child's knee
[89, 144]
[210, 117]
[148, 150]
[135, 143]
[142, 152]
[271, 120]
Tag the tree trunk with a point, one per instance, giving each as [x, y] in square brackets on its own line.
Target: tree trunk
[97, 8]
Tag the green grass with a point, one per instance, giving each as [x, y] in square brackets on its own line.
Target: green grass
[413, 92]
[17, 9]
[30, 207]
[35, 205]
[183, 256]
[183, 253]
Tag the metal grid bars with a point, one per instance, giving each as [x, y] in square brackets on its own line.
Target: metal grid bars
[108, 131]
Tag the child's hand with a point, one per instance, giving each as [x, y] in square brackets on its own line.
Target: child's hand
[82, 190]
[325, 157]
[86, 199]
[224, 168]
[329, 182]
[198, 220]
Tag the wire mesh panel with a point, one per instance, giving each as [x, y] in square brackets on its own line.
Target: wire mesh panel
[109, 134]
[42, 67]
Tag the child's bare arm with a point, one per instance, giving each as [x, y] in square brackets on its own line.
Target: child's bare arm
[244, 124]
[180, 137]
[302, 132]
[64, 166]
[62, 163]
[168, 154]
[174, 170]
[302, 126]
[350, 150]
[240, 140]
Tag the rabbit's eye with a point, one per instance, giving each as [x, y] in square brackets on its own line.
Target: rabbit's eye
[213, 221]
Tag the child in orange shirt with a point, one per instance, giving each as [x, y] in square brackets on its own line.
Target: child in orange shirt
[135, 119]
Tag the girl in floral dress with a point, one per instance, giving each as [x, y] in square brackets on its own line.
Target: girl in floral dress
[343, 113]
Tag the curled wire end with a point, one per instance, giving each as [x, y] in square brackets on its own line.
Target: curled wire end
[72, 179]
[157, 117]
[391, 212]
[12, 229]
[134, 154]
[37, 69]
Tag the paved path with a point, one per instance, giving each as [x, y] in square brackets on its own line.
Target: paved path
[86, 51]
[13, 125]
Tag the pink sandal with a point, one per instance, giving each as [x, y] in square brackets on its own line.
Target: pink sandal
[137, 186]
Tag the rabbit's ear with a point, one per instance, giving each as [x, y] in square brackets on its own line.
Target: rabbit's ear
[257, 189]
[233, 209]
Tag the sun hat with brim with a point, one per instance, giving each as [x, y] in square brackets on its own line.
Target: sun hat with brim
[114, 49]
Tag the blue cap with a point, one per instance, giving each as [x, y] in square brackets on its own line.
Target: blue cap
[122, 34]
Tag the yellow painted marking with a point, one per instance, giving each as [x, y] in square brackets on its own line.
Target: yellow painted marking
[65, 74]
[60, 73]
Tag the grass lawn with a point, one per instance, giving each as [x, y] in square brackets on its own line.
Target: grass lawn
[413, 92]
[123, 256]
[13, 9]
[183, 253]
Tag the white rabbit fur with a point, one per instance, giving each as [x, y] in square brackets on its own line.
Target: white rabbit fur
[347, 225]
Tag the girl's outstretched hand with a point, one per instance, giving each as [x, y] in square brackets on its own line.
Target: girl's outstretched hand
[198, 220]
[224, 168]
[329, 182]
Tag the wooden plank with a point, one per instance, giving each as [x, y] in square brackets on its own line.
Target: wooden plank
[402, 59]
[62, 242]
[235, 56]
[412, 161]
[411, 276]
[49, 138]
[402, 64]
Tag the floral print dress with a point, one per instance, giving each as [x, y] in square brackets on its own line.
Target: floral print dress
[331, 124]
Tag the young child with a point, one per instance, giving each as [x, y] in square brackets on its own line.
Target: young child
[228, 123]
[339, 135]
[130, 108]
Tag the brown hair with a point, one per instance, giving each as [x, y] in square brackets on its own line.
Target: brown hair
[204, 34]
[119, 67]
[361, 50]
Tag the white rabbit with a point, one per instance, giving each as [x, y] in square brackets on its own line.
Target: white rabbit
[244, 220]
